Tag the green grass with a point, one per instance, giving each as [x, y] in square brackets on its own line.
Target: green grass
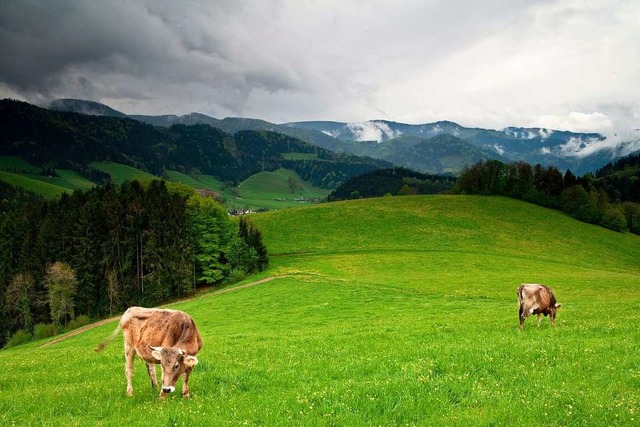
[33, 183]
[120, 173]
[391, 311]
[193, 182]
[275, 190]
[270, 190]
[210, 182]
[17, 164]
[20, 173]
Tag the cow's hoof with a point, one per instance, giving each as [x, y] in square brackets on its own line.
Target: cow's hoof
[186, 395]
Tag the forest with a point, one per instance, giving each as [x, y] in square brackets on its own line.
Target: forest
[393, 181]
[610, 198]
[91, 254]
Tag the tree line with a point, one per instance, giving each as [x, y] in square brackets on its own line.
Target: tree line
[585, 198]
[97, 252]
[394, 181]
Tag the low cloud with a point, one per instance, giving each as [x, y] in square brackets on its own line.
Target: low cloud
[577, 121]
[372, 131]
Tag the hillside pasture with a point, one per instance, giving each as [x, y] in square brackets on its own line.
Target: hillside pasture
[17, 164]
[30, 183]
[20, 173]
[120, 173]
[282, 188]
[392, 311]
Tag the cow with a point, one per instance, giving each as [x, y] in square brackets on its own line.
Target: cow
[536, 299]
[159, 336]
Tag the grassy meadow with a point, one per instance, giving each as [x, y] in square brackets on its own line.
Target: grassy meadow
[275, 190]
[271, 190]
[21, 173]
[390, 311]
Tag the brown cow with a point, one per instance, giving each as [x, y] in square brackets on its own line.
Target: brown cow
[167, 337]
[536, 299]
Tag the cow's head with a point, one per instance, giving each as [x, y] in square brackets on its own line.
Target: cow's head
[174, 362]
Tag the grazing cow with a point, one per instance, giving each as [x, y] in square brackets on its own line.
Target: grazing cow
[536, 299]
[167, 337]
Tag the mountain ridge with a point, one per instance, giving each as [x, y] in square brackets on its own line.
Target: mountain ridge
[56, 139]
[579, 151]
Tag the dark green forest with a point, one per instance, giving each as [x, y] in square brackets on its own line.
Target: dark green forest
[137, 244]
[393, 181]
[54, 139]
[611, 198]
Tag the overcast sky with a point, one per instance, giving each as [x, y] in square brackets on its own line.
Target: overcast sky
[562, 64]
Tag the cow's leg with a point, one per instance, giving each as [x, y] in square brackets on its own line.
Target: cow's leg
[151, 369]
[539, 319]
[521, 317]
[185, 385]
[129, 355]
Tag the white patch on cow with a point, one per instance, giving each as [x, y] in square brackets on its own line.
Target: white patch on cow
[170, 388]
[157, 353]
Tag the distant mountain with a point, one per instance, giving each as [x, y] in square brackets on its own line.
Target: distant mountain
[57, 139]
[84, 107]
[386, 140]
[170, 120]
[562, 149]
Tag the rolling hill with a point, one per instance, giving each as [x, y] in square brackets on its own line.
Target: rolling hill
[264, 190]
[392, 311]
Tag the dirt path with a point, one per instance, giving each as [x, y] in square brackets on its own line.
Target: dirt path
[113, 319]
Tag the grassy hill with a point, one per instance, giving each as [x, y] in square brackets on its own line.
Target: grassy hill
[276, 190]
[21, 173]
[392, 311]
[272, 190]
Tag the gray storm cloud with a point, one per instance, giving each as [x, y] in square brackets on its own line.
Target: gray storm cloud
[482, 63]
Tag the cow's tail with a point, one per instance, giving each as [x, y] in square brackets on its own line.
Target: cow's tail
[520, 300]
[110, 338]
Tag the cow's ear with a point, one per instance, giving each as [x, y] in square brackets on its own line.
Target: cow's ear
[191, 361]
[558, 305]
[156, 352]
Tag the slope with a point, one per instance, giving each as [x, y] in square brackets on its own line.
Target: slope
[395, 311]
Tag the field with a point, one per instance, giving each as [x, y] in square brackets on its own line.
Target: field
[120, 173]
[275, 190]
[391, 311]
[271, 190]
[20, 173]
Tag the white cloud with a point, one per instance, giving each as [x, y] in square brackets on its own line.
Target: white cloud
[372, 131]
[577, 122]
